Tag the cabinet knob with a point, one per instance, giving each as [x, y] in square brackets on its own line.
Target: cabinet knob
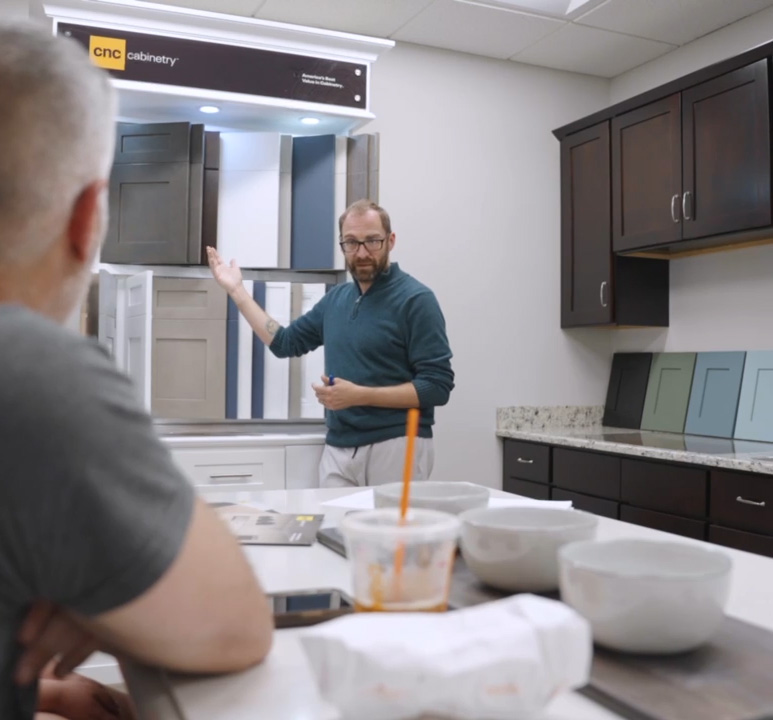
[525, 461]
[756, 503]
[685, 198]
[602, 287]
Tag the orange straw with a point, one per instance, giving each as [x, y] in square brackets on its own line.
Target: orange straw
[412, 428]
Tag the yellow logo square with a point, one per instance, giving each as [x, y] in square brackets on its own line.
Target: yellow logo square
[108, 53]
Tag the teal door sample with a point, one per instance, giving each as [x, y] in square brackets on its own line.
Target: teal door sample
[716, 388]
[668, 392]
[755, 408]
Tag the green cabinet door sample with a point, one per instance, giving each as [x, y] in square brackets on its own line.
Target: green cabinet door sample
[668, 392]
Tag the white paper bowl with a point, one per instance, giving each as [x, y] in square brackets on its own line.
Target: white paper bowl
[450, 497]
[516, 548]
[646, 596]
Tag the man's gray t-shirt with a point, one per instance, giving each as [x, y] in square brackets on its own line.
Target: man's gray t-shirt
[93, 510]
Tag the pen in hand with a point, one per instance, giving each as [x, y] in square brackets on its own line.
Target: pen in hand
[332, 380]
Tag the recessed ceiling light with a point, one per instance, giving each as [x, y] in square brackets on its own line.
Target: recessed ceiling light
[209, 109]
[310, 121]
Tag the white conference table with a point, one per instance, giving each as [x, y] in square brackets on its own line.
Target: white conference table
[283, 688]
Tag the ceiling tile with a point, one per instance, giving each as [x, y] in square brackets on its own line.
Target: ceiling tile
[229, 7]
[672, 21]
[476, 29]
[378, 18]
[594, 52]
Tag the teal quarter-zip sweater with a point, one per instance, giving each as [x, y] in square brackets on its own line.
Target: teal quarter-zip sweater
[392, 334]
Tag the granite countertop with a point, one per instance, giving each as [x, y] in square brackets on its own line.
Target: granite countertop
[581, 427]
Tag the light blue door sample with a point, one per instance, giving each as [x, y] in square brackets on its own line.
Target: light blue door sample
[668, 392]
[716, 387]
[755, 408]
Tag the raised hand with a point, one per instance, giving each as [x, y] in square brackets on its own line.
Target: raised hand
[229, 277]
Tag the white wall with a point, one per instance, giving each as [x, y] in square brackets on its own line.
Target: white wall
[14, 9]
[470, 175]
[721, 301]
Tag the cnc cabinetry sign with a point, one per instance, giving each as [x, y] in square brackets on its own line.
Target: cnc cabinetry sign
[213, 66]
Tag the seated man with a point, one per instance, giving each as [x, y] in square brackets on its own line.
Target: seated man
[102, 541]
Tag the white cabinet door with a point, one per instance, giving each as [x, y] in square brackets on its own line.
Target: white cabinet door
[111, 309]
[313, 363]
[302, 466]
[241, 468]
[139, 331]
[276, 372]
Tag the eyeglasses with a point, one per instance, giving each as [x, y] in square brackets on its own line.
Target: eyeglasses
[371, 245]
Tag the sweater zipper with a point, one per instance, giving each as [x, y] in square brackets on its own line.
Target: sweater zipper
[356, 308]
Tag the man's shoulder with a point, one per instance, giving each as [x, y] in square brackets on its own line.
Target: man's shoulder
[38, 351]
[23, 331]
[411, 287]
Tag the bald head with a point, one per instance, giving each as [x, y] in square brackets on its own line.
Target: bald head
[56, 136]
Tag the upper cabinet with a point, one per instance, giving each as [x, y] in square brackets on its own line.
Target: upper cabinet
[647, 175]
[693, 164]
[597, 288]
[586, 253]
[726, 153]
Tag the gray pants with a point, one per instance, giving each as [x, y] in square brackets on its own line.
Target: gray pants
[375, 464]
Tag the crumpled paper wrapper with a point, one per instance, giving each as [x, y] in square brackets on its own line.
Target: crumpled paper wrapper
[502, 660]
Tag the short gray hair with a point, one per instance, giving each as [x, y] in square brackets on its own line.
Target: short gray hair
[56, 135]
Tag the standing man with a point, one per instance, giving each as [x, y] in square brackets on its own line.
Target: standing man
[103, 543]
[386, 350]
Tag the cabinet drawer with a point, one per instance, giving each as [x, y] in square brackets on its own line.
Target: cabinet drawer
[587, 472]
[526, 461]
[751, 542]
[597, 506]
[540, 491]
[663, 521]
[742, 501]
[659, 486]
[260, 468]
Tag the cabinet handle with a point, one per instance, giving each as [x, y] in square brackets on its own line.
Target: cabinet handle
[756, 503]
[674, 200]
[224, 478]
[684, 206]
[602, 287]
[524, 461]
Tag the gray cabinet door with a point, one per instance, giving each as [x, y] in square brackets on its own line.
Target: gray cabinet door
[189, 349]
[188, 299]
[156, 194]
[148, 214]
[755, 408]
[668, 392]
[716, 388]
[362, 168]
[151, 143]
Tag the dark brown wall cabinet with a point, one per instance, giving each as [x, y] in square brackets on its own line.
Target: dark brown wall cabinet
[597, 288]
[694, 164]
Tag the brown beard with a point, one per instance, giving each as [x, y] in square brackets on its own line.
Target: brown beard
[368, 273]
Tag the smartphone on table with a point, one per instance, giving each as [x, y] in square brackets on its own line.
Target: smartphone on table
[300, 608]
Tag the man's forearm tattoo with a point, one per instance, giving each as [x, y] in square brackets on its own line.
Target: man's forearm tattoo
[272, 326]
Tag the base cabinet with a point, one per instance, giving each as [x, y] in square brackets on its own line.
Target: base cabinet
[725, 507]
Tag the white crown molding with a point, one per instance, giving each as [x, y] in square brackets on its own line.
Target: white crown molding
[172, 21]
